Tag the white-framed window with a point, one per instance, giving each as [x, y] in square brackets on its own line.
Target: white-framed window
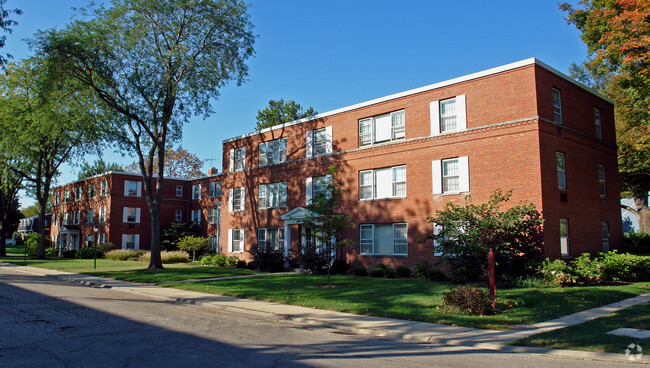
[179, 191]
[450, 176]
[67, 196]
[196, 216]
[389, 182]
[273, 195]
[102, 214]
[274, 237]
[89, 240]
[319, 142]
[448, 115]
[66, 218]
[101, 238]
[196, 191]
[316, 185]
[130, 241]
[236, 199]
[214, 245]
[56, 198]
[213, 215]
[131, 215]
[77, 194]
[381, 128]
[601, 181]
[214, 189]
[564, 236]
[178, 216]
[76, 217]
[561, 170]
[235, 240]
[91, 191]
[103, 188]
[605, 235]
[557, 106]
[598, 124]
[383, 239]
[132, 188]
[90, 216]
[273, 152]
[238, 159]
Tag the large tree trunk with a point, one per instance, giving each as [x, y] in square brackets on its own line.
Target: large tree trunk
[42, 204]
[643, 214]
[3, 238]
[156, 260]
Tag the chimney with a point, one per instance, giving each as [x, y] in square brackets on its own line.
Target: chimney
[213, 171]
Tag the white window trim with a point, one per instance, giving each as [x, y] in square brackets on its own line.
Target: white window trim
[461, 115]
[231, 239]
[463, 169]
[212, 189]
[373, 128]
[137, 241]
[265, 238]
[310, 141]
[264, 158]
[196, 216]
[598, 124]
[372, 227]
[266, 188]
[565, 252]
[232, 159]
[179, 191]
[374, 183]
[138, 188]
[231, 199]
[564, 186]
[196, 191]
[558, 107]
[178, 216]
[125, 215]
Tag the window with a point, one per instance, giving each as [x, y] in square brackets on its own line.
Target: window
[89, 240]
[238, 159]
[178, 216]
[564, 237]
[131, 215]
[448, 115]
[196, 191]
[383, 239]
[599, 127]
[605, 236]
[214, 244]
[102, 214]
[90, 216]
[601, 181]
[214, 190]
[561, 170]
[235, 240]
[272, 195]
[103, 188]
[274, 237]
[54, 220]
[319, 142]
[315, 186]
[66, 196]
[450, 176]
[196, 216]
[236, 199]
[56, 198]
[388, 182]
[557, 106]
[76, 217]
[91, 191]
[130, 241]
[132, 188]
[273, 152]
[179, 191]
[214, 215]
[381, 128]
[77, 194]
[101, 238]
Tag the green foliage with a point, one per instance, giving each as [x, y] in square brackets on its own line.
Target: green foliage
[219, 260]
[31, 242]
[360, 270]
[311, 258]
[402, 271]
[422, 270]
[266, 258]
[468, 299]
[96, 168]
[390, 273]
[637, 243]
[625, 267]
[173, 256]
[241, 263]
[556, 272]
[124, 254]
[51, 252]
[172, 233]
[603, 267]
[436, 274]
[103, 248]
[86, 253]
[340, 267]
[466, 233]
[279, 112]
[32, 210]
[378, 271]
[193, 243]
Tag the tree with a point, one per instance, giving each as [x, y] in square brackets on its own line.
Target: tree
[10, 184]
[326, 221]
[464, 235]
[6, 24]
[178, 164]
[46, 120]
[279, 112]
[33, 209]
[617, 35]
[171, 233]
[96, 168]
[155, 63]
[193, 243]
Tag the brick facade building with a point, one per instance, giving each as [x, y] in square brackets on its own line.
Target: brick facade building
[523, 127]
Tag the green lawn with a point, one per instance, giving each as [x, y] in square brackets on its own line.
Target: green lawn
[416, 299]
[592, 335]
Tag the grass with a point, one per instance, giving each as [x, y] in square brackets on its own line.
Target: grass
[592, 335]
[419, 300]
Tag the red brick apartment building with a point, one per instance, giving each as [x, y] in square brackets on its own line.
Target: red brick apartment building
[523, 127]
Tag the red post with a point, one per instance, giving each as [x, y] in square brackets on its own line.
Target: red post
[493, 289]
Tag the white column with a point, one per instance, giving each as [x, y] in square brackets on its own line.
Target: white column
[287, 243]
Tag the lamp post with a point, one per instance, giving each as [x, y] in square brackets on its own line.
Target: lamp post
[96, 229]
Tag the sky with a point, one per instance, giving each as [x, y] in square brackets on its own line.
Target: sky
[335, 53]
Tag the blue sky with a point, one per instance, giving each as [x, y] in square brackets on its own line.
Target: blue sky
[335, 53]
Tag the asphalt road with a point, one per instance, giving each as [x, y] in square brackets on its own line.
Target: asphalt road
[50, 323]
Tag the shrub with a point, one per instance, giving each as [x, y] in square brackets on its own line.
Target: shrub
[625, 267]
[436, 274]
[267, 258]
[556, 272]
[69, 253]
[422, 270]
[86, 253]
[402, 271]
[586, 269]
[51, 252]
[468, 299]
[378, 271]
[218, 260]
[123, 254]
[390, 273]
[174, 256]
[311, 259]
[637, 243]
[339, 267]
[104, 248]
[241, 264]
[31, 243]
[360, 270]
[193, 243]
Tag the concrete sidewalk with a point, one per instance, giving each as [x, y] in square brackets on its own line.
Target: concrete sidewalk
[358, 324]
